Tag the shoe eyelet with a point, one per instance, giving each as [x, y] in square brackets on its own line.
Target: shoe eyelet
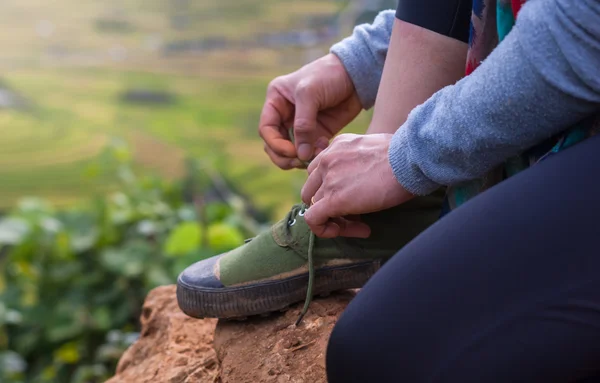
[290, 224]
[302, 212]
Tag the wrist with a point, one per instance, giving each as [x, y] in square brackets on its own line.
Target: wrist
[335, 65]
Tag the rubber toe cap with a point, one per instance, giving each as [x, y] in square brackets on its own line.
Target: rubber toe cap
[202, 274]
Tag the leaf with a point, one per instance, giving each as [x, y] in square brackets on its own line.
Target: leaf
[83, 241]
[62, 246]
[216, 212]
[183, 239]
[148, 227]
[224, 237]
[50, 225]
[29, 297]
[13, 317]
[49, 374]
[90, 373]
[157, 276]
[67, 353]
[102, 318]
[11, 362]
[129, 260]
[186, 213]
[119, 262]
[13, 231]
[108, 352]
[34, 205]
[57, 333]
[64, 272]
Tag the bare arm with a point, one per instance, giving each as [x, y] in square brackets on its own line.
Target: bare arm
[419, 63]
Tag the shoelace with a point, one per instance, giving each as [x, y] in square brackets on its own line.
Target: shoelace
[311, 245]
[298, 210]
[311, 278]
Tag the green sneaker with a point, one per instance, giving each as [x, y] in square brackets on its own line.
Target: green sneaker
[287, 263]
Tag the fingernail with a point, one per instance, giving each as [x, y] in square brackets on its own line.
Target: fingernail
[304, 152]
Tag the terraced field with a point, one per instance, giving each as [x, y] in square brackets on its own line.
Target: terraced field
[72, 70]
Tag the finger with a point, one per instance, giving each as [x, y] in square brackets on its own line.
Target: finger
[305, 121]
[321, 144]
[311, 186]
[314, 164]
[283, 162]
[318, 219]
[353, 217]
[271, 127]
[352, 228]
[319, 195]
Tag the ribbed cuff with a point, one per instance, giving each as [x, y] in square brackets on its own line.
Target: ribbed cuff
[407, 172]
[360, 68]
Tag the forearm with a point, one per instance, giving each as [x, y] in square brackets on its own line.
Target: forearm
[419, 63]
[543, 78]
[363, 55]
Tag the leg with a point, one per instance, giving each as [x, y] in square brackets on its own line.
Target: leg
[504, 289]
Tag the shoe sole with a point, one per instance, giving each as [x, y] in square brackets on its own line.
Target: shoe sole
[239, 302]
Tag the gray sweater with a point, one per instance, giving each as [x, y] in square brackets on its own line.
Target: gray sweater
[544, 77]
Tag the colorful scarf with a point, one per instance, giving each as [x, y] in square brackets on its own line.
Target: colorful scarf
[491, 21]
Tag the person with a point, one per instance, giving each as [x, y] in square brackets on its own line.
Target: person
[274, 269]
[503, 288]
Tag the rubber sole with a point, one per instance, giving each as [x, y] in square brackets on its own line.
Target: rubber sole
[265, 297]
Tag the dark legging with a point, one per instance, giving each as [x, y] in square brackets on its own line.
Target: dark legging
[504, 289]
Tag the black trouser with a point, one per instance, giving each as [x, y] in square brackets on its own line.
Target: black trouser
[504, 289]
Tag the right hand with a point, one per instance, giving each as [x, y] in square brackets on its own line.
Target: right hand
[318, 101]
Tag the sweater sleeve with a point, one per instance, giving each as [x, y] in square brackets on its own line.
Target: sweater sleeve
[363, 55]
[543, 78]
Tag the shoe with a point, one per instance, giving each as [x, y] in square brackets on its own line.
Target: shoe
[288, 263]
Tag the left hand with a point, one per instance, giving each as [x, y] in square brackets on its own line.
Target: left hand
[353, 176]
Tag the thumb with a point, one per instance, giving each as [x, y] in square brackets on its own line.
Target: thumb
[305, 125]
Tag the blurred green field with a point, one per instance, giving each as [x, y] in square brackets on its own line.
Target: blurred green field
[60, 56]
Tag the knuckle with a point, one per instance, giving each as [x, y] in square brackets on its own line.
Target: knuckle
[330, 162]
[336, 143]
[336, 203]
[305, 87]
[275, 83]
[325, 160]
[303, 125]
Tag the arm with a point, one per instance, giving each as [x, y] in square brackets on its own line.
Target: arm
[363, 55]
[541, 79]
[419, 63]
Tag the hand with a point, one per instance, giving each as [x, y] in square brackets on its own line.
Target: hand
[353, 176]
[318, 100]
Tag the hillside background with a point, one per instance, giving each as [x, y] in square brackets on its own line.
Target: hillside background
[129, 150]
[67, 67]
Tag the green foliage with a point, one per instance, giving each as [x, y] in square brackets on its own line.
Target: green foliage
[72, 281]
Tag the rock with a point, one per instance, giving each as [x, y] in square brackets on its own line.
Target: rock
[273, 349]
[172, 347]
[175, 348]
